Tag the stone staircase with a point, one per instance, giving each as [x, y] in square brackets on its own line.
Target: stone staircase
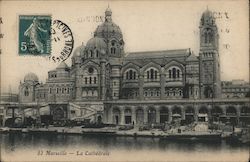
[91, 110]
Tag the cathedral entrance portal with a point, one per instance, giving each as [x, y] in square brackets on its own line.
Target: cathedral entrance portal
[151, 116]
[116, 116]
[116, 119]
[128, 116]
[139, 116]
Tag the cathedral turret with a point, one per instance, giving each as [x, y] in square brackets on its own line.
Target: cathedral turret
[112, 35]
[209, 57]
[208, 31]
[108, 14]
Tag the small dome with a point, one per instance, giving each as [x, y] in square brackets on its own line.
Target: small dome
[108, 12]
[207, 18]
[96, 43]
[108, 28]
[207, 13]
[78, 51]
[62, 65]
[31, 77]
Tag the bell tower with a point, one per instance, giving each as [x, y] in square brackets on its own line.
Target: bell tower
[210, 84]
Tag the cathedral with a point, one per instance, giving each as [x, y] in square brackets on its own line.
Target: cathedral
[108, 85]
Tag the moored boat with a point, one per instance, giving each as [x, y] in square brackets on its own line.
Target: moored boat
[194, 135]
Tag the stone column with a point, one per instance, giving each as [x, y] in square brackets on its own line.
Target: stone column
[111, 116]
[169, 115]
[68, 112]
[23, 115]
[238, 113]
[223, 110]
[4, 115]
[163, 81]
[145, 111]
[196, 112]
[183, 117]
[133, 115]
[122, 122]
[105, 114]
[78, 93]
[157, 115]
[141, 82]
[102, 80]
[209, 113]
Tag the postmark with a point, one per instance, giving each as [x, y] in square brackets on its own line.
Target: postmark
[62, 40]
[34, 35]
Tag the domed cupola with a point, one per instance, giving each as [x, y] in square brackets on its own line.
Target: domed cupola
[77, 55]
[108, 29]
[95, 48]
[112, 34]
[207, 18]
[78, 51]
[31, 77]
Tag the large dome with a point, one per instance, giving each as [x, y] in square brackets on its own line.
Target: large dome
[78, 51]
[31, 77]
[108, 28]
[96, 43]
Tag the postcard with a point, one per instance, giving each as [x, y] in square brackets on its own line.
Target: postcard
[147, 81]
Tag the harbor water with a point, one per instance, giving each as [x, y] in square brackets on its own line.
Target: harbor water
[66, 147]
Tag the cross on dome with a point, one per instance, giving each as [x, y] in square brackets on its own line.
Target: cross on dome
[108, 14]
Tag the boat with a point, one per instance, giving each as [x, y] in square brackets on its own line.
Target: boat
[192, 135]
[242, 136]
[99, 132]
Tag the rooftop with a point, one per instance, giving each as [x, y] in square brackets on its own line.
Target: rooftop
[159, 54]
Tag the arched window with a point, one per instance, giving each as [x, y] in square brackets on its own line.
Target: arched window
[205, 38]
[130, 74]
[174, 73]
[86, 80]
[97, 53]
[210, 37]
[113, 49]
[91, 53]
[90, 80]
[94, 80]
[152, 74]
[134, 75]
[26, 91]
[178, 73]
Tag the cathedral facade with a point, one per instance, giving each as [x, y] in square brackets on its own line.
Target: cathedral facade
[108, 84]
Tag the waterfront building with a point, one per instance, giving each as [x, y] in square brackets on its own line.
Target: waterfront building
[235, 89]
[106, 84]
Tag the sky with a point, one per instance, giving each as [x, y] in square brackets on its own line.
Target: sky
[146, 26]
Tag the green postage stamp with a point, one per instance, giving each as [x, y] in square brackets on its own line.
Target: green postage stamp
[34, 35]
